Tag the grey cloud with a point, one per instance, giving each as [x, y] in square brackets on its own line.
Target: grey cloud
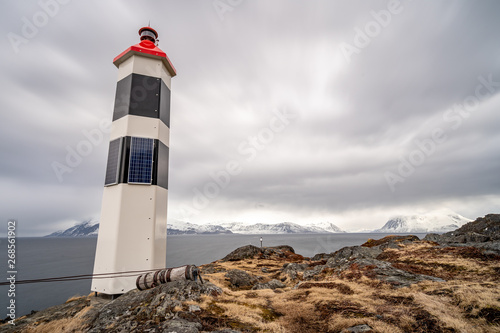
[355, 120]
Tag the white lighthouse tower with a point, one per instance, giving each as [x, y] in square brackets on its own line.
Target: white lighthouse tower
[133, 224]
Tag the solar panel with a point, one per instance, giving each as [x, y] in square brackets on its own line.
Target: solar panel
[141, 161]
[113, 164]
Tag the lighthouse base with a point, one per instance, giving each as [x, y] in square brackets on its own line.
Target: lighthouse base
[132, 236]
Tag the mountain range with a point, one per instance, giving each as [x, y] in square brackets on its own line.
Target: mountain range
[89, 228]
[438, 221]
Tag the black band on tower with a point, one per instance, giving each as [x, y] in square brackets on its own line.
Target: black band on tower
[144, 96]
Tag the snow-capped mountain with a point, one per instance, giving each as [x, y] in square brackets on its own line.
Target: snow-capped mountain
[280, 228]
[324, 227]
[88, 228]
[262, 228]
[180, 227]
[177, 227]
[439, 221]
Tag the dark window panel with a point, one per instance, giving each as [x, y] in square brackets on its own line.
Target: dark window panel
[165, 104]
[137, 95]
[145, 96]
[122, 98]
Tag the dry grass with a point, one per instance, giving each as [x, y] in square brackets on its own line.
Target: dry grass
[449, 314]
[453, 263]
[75, 298]
[466, 303]
[66, 325]
[62, 325]
[337, 323]
[476, 296]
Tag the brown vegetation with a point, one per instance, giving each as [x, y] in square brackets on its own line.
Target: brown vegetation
[388, 239]
[469, 300]
[333, 300]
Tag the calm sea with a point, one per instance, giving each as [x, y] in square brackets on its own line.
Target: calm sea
[54, 257]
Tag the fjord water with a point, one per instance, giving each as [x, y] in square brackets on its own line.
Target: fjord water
[55, 257]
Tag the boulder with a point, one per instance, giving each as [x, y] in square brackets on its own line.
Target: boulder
[239, 279]
[358, 329]
[322, 256]
[311, 273]
[273, 284]
[432, 238]
[292, 269]
[281, 251]
[392, 242]
[250, 251]
[244, 252]
[349, 253]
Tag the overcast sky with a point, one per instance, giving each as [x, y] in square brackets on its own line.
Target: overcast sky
[340, 111]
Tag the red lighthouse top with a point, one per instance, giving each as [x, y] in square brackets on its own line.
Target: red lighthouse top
[147, 47]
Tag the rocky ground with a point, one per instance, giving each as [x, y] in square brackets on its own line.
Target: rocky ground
[444, 283]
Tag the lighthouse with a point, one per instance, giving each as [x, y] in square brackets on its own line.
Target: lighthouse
[133, 224]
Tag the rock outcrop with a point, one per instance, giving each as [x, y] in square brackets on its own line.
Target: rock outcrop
[244, 252]
[482, 233]
[364, 260]
[135, 311]
[293, 269]
[239, 279]
[249, 251]
[273, 284]
[351, 261]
